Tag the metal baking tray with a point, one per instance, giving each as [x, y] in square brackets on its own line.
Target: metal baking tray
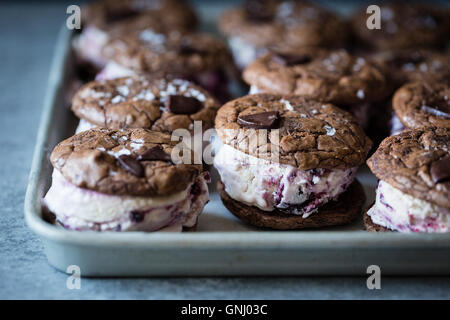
[222, 245]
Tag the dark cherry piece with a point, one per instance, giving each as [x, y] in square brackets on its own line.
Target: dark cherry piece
[131, 165]
[440, 170]
[264, 120]
[290, 60]
[155, 154]
[179, 104]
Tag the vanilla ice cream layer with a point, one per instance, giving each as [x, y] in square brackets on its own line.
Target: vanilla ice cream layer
[243, 52]
[399, 211]
[82, 209]
[270, 185]
[89, 44]
[84, 125]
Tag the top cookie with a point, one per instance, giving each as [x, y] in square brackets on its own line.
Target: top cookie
[331, 76]
[172, 54]
[311, 134]
[417, 162]
[410, 65]
[105, 14]
[138, 102]
[284, 24]
[133, 162]
[423, 103]
[404, 25]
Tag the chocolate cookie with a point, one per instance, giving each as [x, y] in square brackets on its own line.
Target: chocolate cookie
[414, 187]
[106, 14]
[285, 159]
[409, 65]
[370, 226]
[138, 102]
[424, 103]
[404, 25]
[261, 25]
[201, 58]
[343, 211]
[331, 76]
[133, 162]
[311, 134]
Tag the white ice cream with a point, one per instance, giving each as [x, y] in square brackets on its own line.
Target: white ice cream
[89, 44]
[243, 52]
[399, 211]
[270, 185]
[81, 209]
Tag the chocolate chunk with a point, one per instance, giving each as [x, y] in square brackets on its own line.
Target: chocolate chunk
[290, 60]
[155, 154]
[440, 170]
[179, 104]
[440, 108]
[131, 165]
[264, 120]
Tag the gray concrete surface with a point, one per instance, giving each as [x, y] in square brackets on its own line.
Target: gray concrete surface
[27, 36]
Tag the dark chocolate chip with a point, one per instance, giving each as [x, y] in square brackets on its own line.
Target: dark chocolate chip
[439, 108]
[136, 216]
[440, 170]
[290, 60]
[131, 165]
[179, 104]
[264, 120]
[155, 154]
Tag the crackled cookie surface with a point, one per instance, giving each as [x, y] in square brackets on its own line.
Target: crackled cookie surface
[122, 162]
[331, 76]
[424, 103]
[311, 134]
[172, 54]
[137, 102]
[409, 65]
[284, 24]
[283, 160]
[104, 14]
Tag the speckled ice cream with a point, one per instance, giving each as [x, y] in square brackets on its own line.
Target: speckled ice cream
[270, 185]
[81, 209]
[399, 211]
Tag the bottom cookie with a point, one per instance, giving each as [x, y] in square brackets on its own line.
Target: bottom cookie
[346, 209]
[371, 226]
